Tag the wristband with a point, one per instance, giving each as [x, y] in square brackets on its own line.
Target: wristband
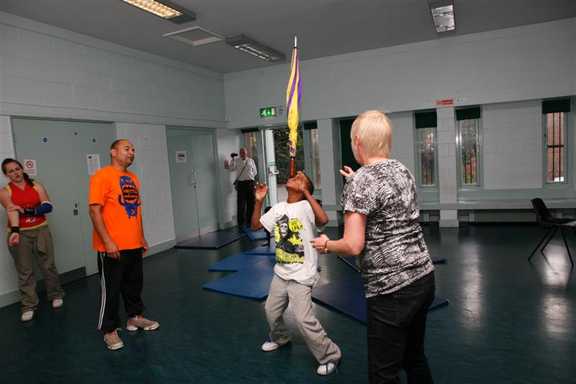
[326, 246]
[14, 230]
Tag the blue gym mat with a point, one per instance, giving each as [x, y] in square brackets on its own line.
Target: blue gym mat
[347, 297]
[212, 240]
[237, 262]
[251, 282]
[253, 271]
[260, 234]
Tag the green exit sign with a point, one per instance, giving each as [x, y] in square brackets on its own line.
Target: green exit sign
[267, 112]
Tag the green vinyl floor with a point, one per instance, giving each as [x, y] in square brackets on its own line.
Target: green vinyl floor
[508, 321]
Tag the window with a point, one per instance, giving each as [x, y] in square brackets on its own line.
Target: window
[282, 154]
[468, 142]
[250, 137]
[426, 123]
[554, 116]
[312, 152]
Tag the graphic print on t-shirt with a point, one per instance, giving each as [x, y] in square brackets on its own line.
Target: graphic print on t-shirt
[289, 244]
[130, 198]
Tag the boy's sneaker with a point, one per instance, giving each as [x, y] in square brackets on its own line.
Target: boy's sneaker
[328, 368]
[270, 345]
[27, 315]
[57, 303]
[113, 341]
[141, 322]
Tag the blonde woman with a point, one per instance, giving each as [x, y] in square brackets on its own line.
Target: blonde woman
[381, 228]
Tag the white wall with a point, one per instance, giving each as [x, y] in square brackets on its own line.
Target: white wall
[53, 73]
[49, 72]
[153, 170]
[512, 134]
[507, 71]
[523, 63]
[8, 281]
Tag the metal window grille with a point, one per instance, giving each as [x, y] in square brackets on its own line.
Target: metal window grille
[555, 139]
[469, 143]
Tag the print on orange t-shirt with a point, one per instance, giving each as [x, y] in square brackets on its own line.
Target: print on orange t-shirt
[119, 195]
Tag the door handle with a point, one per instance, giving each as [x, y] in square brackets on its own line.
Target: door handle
[273, 170]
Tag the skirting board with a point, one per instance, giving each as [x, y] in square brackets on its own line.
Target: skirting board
[12, 297]
[161, 247]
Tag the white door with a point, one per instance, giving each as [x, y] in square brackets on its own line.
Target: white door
[193, 178]
[61, 150]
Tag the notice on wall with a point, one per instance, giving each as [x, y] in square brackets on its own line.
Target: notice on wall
[448, 102]
[93, 163]
[181, 156]
[30, 167]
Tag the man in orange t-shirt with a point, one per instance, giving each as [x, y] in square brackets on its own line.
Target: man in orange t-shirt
[118, 237]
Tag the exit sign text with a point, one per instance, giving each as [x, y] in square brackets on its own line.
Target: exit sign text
[267, 112]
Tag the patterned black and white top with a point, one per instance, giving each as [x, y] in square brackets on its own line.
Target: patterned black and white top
[395, 253]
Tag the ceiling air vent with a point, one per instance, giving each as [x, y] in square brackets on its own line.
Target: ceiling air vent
[195, 36]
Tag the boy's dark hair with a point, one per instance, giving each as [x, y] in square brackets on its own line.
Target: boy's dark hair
[310, 184]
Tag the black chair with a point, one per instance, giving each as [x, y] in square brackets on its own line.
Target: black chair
[552, 224]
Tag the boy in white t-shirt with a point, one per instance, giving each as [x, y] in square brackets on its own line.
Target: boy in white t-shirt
[293, 224]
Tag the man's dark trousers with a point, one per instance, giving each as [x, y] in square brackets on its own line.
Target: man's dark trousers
[245, 202]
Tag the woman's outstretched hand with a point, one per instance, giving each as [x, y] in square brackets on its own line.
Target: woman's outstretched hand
[319, 243]
[346, 171]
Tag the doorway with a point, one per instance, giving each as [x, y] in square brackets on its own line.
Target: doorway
[65, 153]
[193, 180]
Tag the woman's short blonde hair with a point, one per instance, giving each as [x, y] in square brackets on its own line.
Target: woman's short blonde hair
[374, 131]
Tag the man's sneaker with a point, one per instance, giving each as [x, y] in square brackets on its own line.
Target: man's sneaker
[141, 322]
[57, 303]
[113, 341]
[27, 315]
[326, 369]
[270, 345]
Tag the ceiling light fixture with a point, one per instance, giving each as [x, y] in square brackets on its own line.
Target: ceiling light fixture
[443, 15]
[165, 10]
[247, 45]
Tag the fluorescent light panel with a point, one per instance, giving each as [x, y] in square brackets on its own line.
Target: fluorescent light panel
[254, 48]
[443, 15]
[165, 10]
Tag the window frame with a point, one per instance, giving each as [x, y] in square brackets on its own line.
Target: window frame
[568, 146]
[309, 168]
[480, 156]
[417, 160]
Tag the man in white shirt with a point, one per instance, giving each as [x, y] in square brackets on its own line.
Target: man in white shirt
[244, 184]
